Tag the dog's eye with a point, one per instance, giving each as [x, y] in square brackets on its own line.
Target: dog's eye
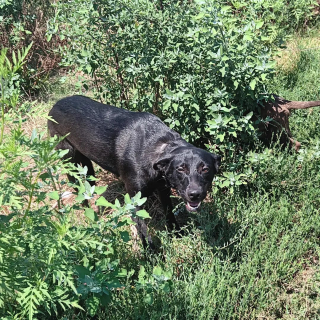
[180, 169]
[205, 170]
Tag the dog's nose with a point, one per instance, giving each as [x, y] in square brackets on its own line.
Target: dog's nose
[194, 194]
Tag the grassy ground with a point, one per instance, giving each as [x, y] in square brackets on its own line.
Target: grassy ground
[253, 254]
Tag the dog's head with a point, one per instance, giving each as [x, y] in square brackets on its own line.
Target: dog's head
[190, 171]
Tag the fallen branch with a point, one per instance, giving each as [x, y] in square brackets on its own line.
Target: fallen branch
[279, 111]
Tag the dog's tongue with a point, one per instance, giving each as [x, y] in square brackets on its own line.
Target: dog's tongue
[192, 206]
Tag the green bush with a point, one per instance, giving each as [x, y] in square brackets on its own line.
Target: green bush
[202, 66]
[194, 65]
[49, 261]
[280, 17]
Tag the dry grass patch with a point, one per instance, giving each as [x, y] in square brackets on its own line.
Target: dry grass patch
[298, 299]
[288, 59]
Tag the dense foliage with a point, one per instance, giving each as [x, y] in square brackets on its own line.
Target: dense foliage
[194, 65]
[23, 22]
[201, 66]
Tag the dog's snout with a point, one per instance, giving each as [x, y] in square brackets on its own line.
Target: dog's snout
[194, 194]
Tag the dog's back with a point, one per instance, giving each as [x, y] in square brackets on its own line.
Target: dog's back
[108, 135]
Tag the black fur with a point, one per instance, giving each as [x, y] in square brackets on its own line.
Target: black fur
[136, 146]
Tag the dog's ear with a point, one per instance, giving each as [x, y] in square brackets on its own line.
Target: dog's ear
[216, 161]
[162, 164]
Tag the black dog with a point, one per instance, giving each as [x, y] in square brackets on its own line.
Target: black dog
[136, 146]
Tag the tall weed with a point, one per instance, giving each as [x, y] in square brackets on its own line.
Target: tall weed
[49, 261]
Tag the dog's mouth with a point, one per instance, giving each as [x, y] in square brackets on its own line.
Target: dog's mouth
[193, 206]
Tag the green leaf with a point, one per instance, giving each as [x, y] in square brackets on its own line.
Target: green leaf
[116, 204]
[54, 195]
[166, 105]
[92, 304]
[105, 299]
[253, 84]
[6, 218]
[100, 190]
[91, 214]
[138, 200]
[126, 221]
[148, 298]
[157, 270]
[82, 170]
[143, 214]
[62, 153]
[166, 287]
[122, 273]
[125, 236]
[104, 203]
[80, 198]
[226, 183]
[249, 115]
[142, 274]
[221, 136]
[259, 24]
[127, 198]
[226, 8]
[82, 271]
[141, 201]
[199, 16]
[44, 176]
[76, 305]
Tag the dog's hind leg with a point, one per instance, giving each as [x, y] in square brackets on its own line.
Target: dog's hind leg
[79, 158]
[76, 157]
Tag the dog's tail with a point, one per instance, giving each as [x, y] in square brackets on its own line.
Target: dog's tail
[294, 105]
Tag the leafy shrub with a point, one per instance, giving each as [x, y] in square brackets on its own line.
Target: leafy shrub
[51, 262]
[194, 65]
[21, 23]
[200, 66]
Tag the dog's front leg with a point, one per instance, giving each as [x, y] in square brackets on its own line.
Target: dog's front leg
[164, 194]
[143, 232]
